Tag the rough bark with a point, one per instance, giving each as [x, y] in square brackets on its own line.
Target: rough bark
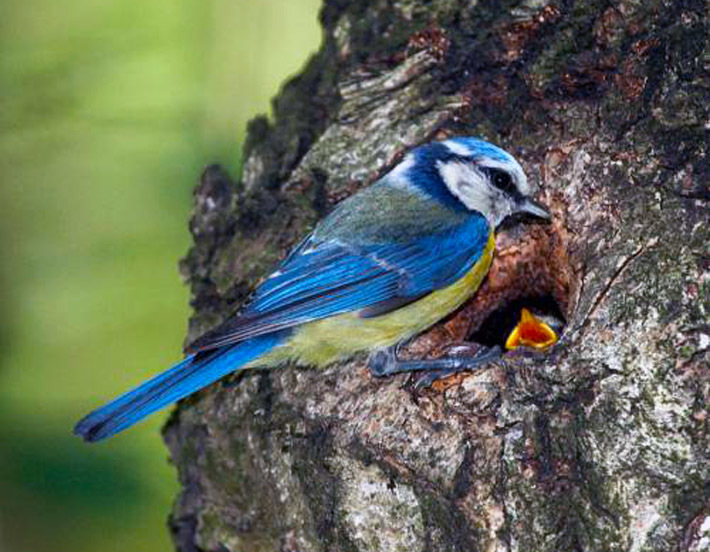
[600, 445]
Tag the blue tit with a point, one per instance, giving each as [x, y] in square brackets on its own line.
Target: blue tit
[385, 265]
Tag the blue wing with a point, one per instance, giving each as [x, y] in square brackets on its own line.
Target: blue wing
[325, 278]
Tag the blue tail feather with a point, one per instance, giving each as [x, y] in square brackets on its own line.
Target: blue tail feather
[183, 379]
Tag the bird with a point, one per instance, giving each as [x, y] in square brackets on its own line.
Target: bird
[386, 264]
[535, 331]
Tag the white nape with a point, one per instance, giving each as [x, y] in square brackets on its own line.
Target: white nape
[458, 149]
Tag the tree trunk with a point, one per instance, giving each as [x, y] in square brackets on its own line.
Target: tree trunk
[599, 445]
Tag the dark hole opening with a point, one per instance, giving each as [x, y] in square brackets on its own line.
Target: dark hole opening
[501, 322]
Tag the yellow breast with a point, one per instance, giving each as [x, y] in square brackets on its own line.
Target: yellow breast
[326, 341]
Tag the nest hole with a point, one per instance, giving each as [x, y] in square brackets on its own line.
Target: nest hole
[495, 329]
[531, 269]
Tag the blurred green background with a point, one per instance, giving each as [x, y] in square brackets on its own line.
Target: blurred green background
[108, 112]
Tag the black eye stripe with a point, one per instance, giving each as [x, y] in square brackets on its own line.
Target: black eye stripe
[501, 180]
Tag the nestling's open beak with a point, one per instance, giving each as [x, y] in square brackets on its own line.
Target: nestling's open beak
[534, 208]
[532, 332]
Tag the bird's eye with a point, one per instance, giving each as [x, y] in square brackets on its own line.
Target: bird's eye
[502, 180]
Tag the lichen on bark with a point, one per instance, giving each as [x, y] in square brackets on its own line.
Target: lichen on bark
[600, 445]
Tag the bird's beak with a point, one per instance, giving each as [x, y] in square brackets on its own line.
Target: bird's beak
[534, 208]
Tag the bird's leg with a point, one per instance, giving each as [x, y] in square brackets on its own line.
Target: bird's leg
[385, 362]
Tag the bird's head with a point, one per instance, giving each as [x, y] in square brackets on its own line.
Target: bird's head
[469, 173]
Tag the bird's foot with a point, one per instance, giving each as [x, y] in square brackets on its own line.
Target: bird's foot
[463, 356]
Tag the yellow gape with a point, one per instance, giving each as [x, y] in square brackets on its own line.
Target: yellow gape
[531, 332]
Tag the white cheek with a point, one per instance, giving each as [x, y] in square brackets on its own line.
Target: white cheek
[468, 185]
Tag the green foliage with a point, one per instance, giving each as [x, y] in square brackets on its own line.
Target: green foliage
[108, 112]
